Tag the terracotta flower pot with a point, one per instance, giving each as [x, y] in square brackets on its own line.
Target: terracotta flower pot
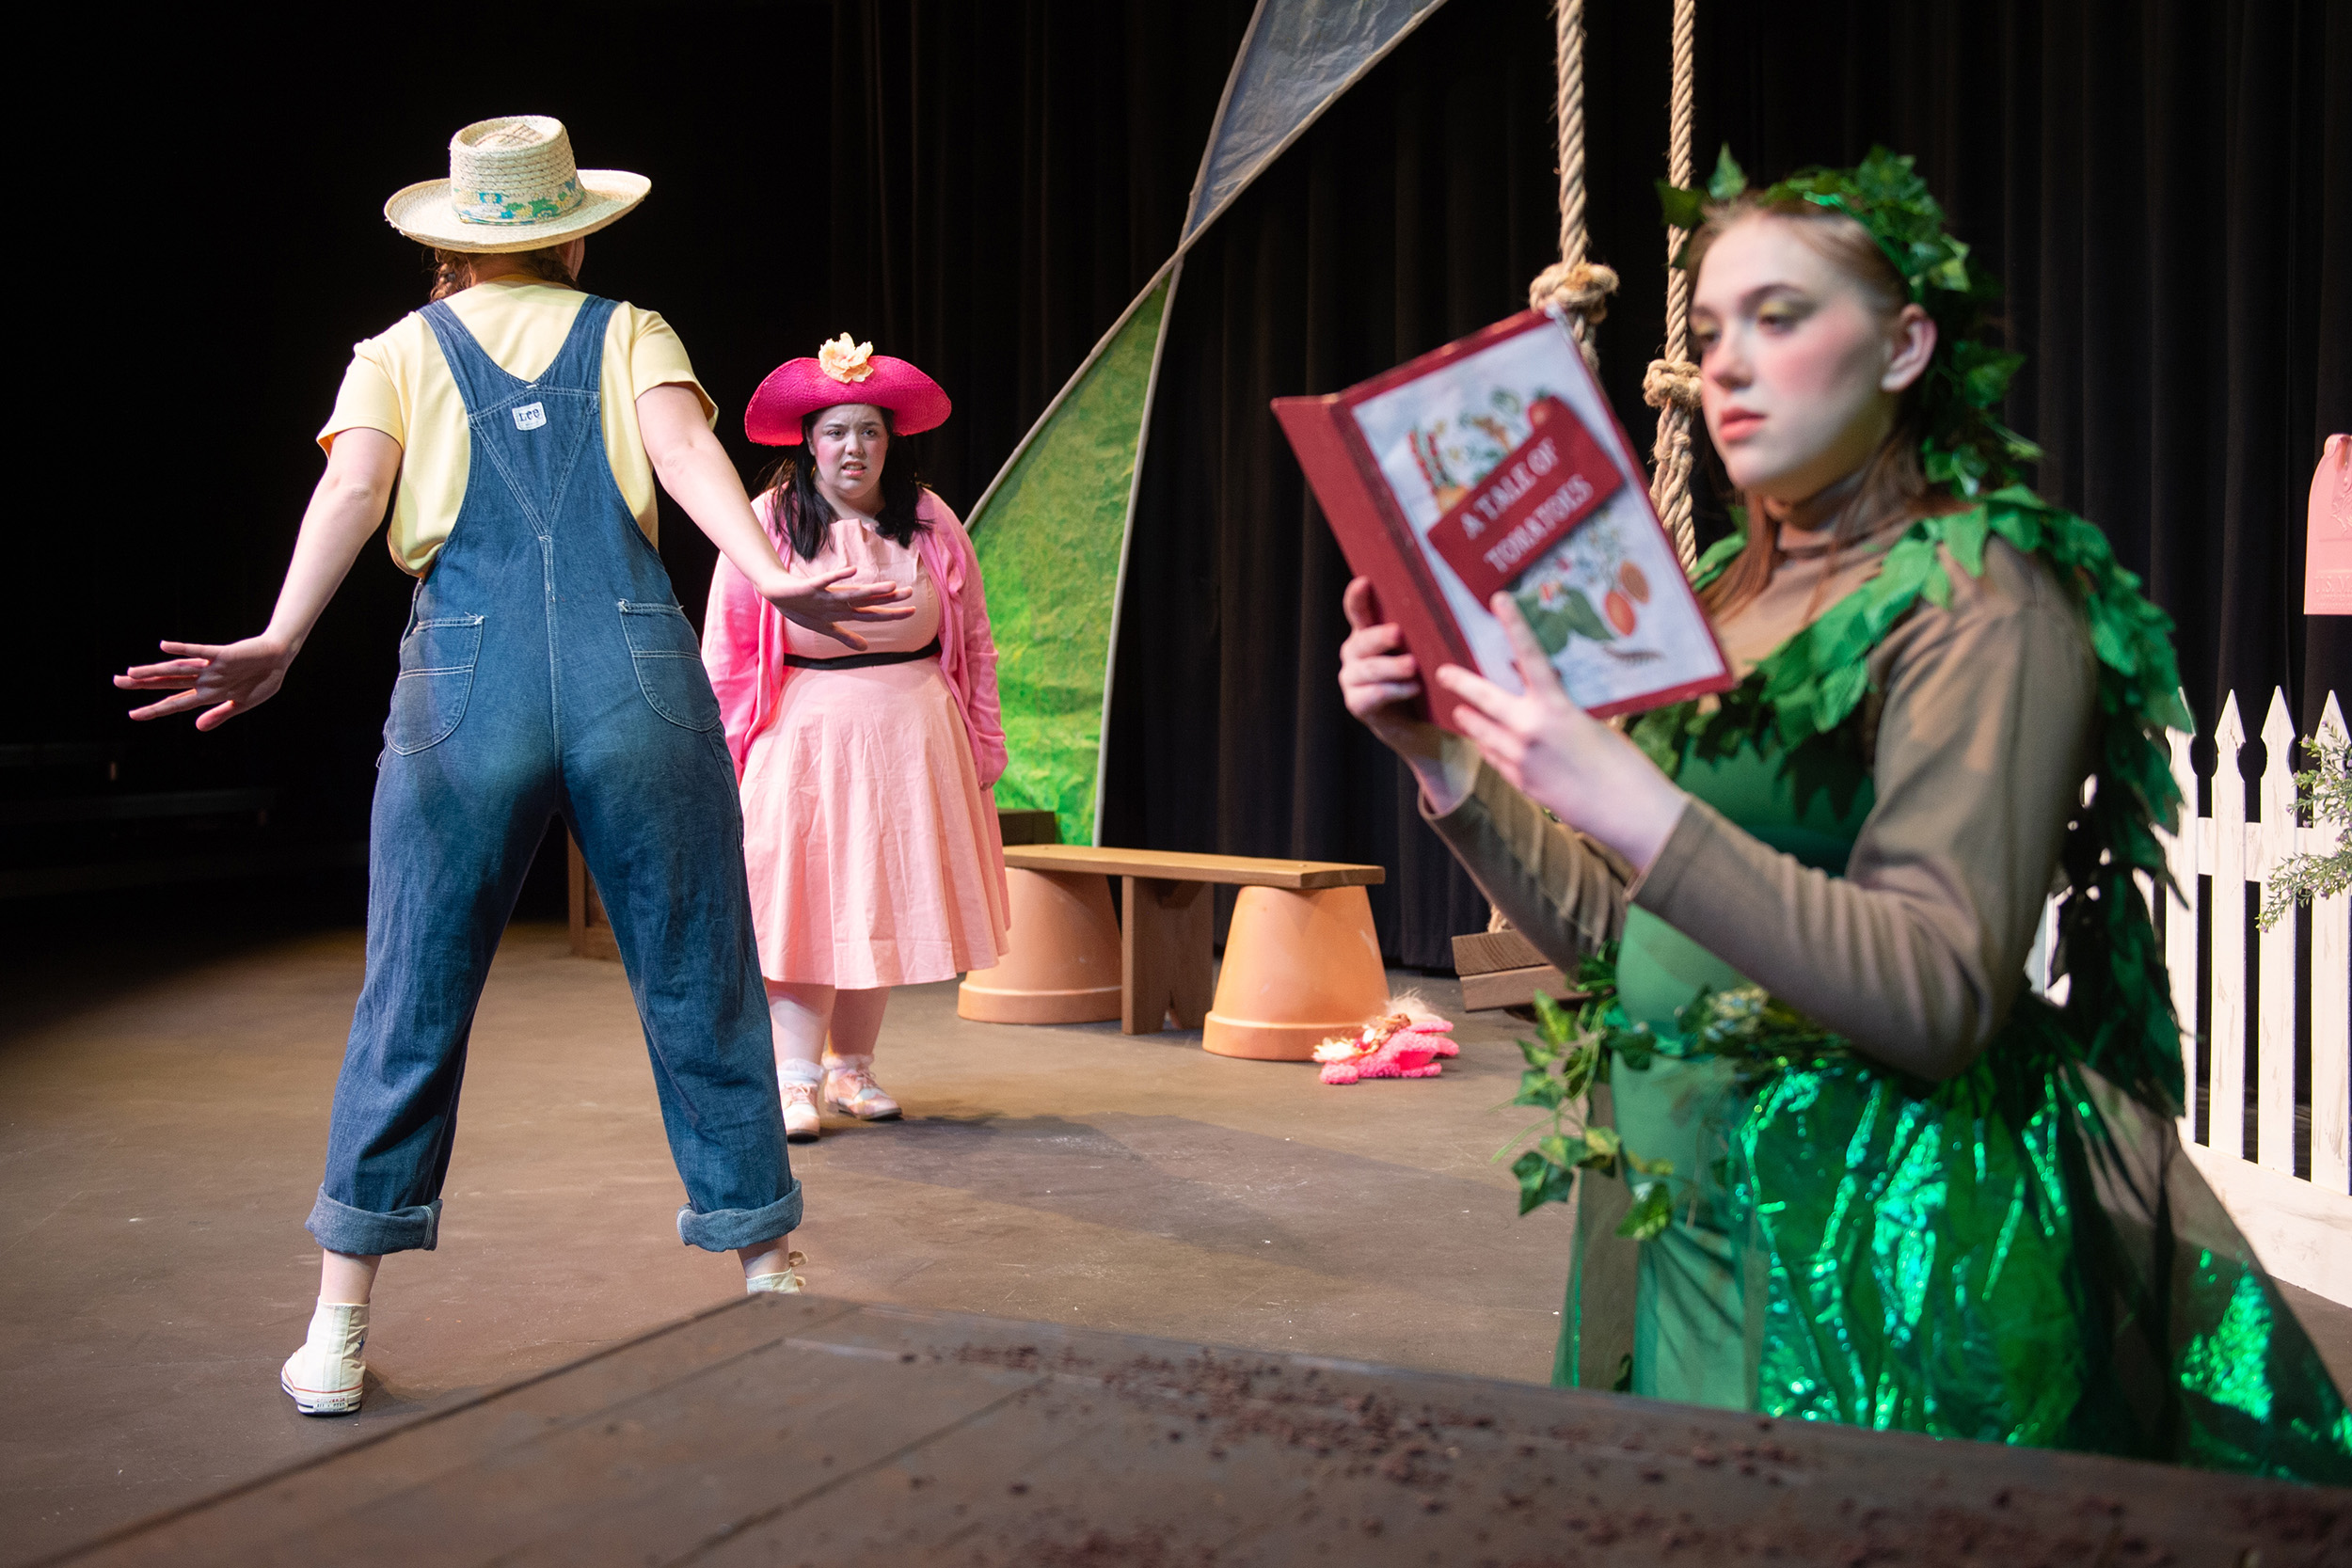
[1064, 963]
[1299, 968]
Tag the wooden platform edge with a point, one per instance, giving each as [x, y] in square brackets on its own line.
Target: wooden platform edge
[1811, 1492]
[1515, 988]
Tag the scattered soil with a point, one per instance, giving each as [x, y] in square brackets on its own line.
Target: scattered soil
[1647, 1489]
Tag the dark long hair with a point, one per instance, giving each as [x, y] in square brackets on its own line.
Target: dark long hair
[451, 270]
[800, 515]
[1893, 487]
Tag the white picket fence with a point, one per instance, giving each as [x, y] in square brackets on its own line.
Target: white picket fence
[2298, 1222]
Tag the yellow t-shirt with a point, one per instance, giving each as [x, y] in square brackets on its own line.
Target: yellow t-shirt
[399, 384]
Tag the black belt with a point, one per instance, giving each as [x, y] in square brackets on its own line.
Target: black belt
[863, 661]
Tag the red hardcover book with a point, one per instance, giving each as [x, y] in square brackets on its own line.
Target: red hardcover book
[1494, 465]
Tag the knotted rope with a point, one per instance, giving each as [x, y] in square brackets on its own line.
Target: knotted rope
[1579, 288]
[1672, 384]
[1573, 285]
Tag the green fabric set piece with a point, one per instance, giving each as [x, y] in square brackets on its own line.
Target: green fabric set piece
[2023, 1254]
[1049, 540]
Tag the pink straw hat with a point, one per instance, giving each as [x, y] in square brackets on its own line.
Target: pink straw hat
[842, 372]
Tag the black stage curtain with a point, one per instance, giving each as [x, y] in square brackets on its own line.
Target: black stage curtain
[982, 187]
[979, 186]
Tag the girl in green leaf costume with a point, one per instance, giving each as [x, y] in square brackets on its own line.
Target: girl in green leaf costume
[1837, 1161]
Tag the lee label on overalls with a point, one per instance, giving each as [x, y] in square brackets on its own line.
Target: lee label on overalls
[531, 415]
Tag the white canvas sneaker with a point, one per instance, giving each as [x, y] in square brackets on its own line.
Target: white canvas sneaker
[323, 1377]
[787, 1281]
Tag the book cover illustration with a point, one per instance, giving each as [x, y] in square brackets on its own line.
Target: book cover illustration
[1510, 473]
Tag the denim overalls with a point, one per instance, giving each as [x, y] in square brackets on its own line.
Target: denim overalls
[547, 669]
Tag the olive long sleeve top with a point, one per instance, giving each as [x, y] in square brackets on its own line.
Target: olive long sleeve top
[1977, 731]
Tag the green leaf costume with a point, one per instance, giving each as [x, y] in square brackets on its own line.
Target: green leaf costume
[1770, 1219]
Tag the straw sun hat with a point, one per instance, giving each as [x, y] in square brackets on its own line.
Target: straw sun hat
[513, 186]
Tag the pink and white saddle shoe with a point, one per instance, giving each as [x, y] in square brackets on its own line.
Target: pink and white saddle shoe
[850, 1089]
[800, 1122]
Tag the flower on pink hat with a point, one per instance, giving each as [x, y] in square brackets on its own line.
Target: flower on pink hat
[842, 362]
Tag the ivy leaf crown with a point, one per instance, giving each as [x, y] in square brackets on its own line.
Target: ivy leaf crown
[1963, 447]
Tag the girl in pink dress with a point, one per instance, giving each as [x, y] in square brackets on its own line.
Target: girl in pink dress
[865, 756]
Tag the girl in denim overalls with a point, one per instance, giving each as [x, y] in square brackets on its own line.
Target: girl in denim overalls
[546, 669]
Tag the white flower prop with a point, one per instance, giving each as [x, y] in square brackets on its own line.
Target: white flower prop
[845, 361]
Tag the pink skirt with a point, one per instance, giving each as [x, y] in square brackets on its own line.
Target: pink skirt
[870, 845]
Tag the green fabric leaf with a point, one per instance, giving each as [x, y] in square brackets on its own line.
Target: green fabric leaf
[1681, 208]
[1652, 1212]
[1938, 589]
[1728, 180]
[1717, 556]
[1562, 1150]
[1965, 536]
[1541, 1181]
[1554, 1021]
[1538, 1086]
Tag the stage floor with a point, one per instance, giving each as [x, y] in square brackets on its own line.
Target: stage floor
[163, 1109]
[165, 1116]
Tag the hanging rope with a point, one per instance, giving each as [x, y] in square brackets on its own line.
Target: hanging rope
[1672, 384]
[1572, 284]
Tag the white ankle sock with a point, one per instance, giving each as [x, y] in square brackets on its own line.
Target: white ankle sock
[794, 1070]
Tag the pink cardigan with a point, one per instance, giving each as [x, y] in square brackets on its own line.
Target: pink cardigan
[743, 642]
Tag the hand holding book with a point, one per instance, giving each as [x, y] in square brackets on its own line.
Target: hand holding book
[1584, 772]
[1381, 685]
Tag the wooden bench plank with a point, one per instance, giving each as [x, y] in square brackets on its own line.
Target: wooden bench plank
[1182, 867]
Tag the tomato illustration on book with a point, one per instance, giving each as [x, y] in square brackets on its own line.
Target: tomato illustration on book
[1631, 588]
[1620, 610]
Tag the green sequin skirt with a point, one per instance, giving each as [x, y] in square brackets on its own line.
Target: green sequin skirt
[2024, 1254]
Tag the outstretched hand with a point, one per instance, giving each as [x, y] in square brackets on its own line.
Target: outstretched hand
[832, 603]
[223, 681]
[1556, 754]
